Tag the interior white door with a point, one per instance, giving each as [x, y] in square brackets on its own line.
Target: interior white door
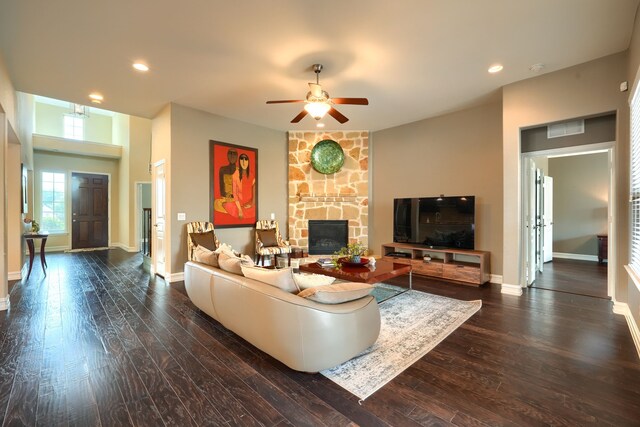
[530, 191]
[547, 220]
[539, 214]
[159, 218]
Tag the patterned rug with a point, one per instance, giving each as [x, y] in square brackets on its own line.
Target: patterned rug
[412, 323]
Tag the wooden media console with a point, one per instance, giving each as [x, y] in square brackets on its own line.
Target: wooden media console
[468, 267]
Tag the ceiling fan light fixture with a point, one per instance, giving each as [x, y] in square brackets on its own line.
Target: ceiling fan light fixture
[317, 110]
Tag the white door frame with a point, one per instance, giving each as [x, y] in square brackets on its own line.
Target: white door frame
[611, 207]
[154, 238]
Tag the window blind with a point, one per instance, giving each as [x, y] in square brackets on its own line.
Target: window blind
[635, 181]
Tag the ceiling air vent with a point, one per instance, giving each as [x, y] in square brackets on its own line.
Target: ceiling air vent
[565, 129]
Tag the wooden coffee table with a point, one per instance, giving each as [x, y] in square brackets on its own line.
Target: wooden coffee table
[381, 271]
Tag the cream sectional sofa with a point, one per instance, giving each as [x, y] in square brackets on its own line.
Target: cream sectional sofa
[304, 335]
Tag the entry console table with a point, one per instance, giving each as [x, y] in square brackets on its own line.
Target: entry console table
[467, 267]
[29, 237]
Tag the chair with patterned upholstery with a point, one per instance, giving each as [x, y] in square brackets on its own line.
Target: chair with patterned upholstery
[269, 241]
[201, 233]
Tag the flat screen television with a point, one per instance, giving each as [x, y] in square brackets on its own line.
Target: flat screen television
[437, 222]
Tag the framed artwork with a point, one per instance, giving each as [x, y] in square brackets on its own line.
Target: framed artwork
[233, 185]
[25, 191]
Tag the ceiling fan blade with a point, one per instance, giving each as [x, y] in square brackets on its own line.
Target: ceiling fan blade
[316, 90]
[284, 101]
[299, 117]
[354, 101]
[337, 115]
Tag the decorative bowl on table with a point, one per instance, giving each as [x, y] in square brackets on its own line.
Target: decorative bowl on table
[350, 262]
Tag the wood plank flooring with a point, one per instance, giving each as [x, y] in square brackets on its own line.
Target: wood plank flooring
[573, 276]
[97, 342]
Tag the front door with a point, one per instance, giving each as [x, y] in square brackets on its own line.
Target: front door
[90, 211]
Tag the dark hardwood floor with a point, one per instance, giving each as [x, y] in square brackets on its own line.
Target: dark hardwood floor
[97, 342]
[573, 276]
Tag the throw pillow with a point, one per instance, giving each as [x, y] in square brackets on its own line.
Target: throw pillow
[282, 278]
[205, 256]
[205, 239]
[268, 237]
[232, 264]
[305, 281]
[338, 293]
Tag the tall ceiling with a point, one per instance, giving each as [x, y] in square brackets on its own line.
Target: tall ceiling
[412, 59]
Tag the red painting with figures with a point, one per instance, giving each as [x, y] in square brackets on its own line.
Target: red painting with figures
[234, 185]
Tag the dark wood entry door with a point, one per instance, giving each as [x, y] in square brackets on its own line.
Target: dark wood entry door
[90, 211]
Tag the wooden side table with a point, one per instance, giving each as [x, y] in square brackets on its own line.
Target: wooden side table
[603, 248]
[30, 237]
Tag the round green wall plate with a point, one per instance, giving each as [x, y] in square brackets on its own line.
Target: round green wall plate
[327, 156]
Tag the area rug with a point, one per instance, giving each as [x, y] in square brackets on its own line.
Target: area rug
[86, 249]
[412, 324]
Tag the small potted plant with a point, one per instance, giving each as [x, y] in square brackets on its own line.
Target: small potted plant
[353, 252]
[35, 227]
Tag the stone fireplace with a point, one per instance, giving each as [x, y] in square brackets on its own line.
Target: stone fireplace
[327, 236]
[343, 195]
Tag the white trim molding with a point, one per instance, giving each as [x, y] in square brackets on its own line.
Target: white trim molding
[15, 275]
[496, 278]
[124, 247]
[4, 303]
[579, 257]
[623, 309]
[175, 277]
[511, 289]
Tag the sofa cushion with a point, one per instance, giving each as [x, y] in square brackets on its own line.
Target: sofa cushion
[232, 263]
[280, 278]
[205, 239]
[338, 293]
[205, 256]
[305, 281]
[268, 237]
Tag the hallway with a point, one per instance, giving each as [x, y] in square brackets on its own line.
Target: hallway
[586, 278]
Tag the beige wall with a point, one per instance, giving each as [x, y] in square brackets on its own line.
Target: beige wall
[455, 154]
[580, 202]
[139, 157]
[67, 163]
[121, 138]
[580, 91]
[50, 121]
[188, 180]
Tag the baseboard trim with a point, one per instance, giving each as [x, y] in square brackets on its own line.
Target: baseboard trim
[496, 278]
[124, 247]
[175, 277]
[622, 309]
[4, 303]
[511, 289]
[15, 275]
[578, 257]
[48, 249]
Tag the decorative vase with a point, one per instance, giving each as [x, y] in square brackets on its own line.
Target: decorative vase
[355, 259]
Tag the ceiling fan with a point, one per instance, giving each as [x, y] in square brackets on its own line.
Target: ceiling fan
[318, 103]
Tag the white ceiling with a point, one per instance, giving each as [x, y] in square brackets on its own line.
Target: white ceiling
[413, 59]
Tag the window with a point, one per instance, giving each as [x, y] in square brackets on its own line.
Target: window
[53, 216]
[73, 127]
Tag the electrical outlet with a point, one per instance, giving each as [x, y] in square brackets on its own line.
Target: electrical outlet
[273, 216]
[182, 216]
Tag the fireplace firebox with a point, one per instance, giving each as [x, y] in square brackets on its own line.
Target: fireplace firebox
[327, 236]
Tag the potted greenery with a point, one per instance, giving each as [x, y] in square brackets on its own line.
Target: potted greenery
[353, 252]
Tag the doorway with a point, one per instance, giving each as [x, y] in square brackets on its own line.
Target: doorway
[89, 210]
[560, 236]
[159, 220]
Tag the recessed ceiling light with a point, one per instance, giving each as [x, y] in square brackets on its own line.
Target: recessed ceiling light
[96, 97]
[96, 101]
[140, 66]
[495, 68]
[319, 125]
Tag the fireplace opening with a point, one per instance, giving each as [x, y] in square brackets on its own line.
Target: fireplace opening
[327, 236]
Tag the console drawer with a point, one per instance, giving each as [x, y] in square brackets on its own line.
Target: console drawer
[461, 272]
[397, 260]
[427, 268]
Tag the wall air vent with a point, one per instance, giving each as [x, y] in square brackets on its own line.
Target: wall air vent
[565, 129]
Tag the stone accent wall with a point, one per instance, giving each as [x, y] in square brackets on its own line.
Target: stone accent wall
[341, 195]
